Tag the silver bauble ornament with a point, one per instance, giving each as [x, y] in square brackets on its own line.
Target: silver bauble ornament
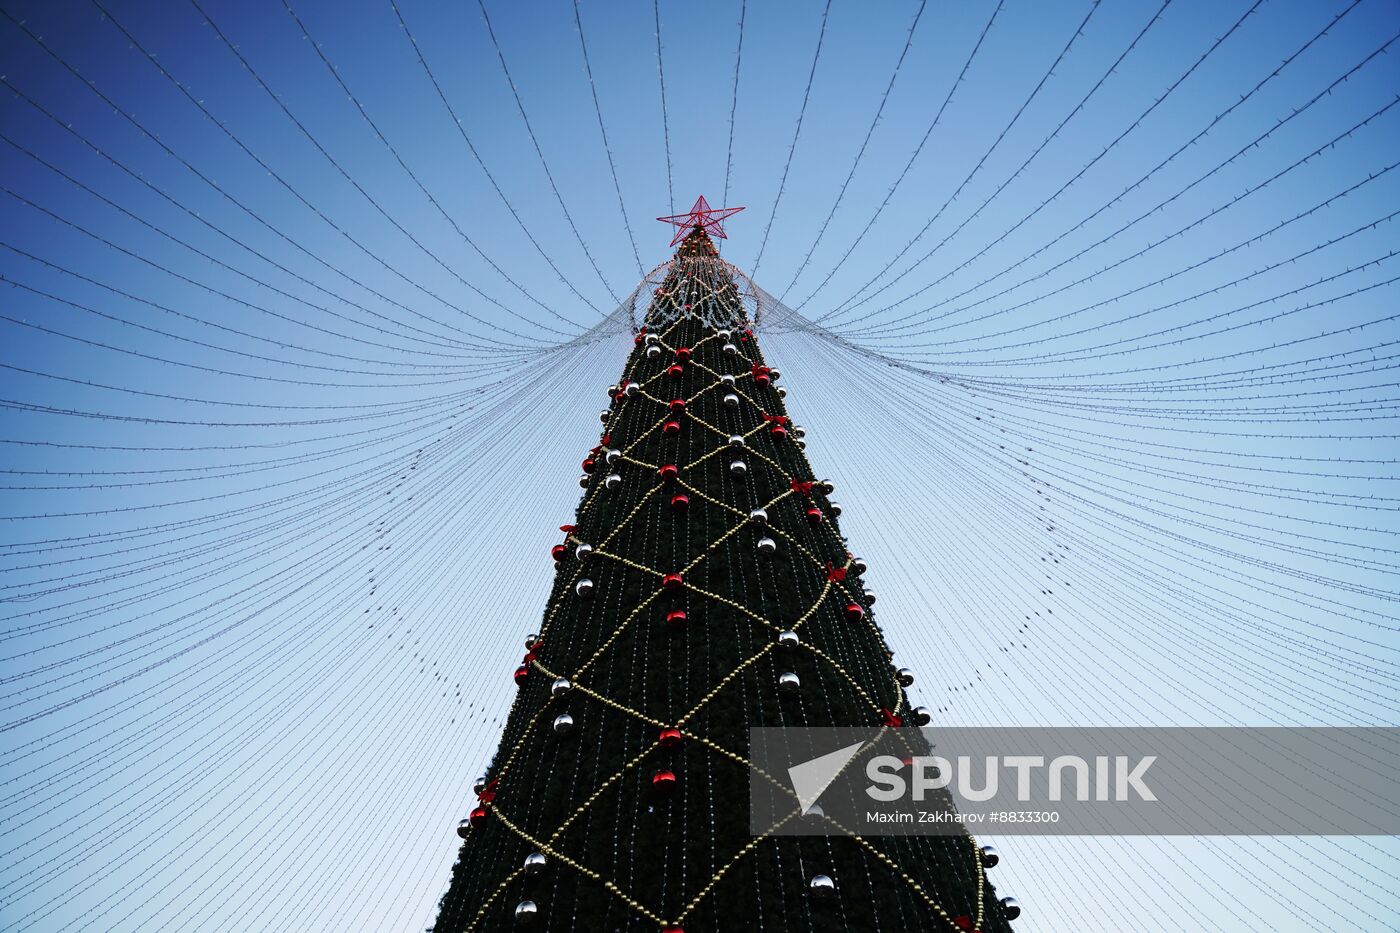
[604, 415]
[612, 456]
[526, 912]
[834, 508]
[583, 550]
[789, 682]
[822, 886]
[730, 348]
[612, 481]
[479, 785]
[560, 687]
[653, 351]
[535, 863]
[731, 400]
[767, 546]
[905, 677]
[736, 440]
[782, 392]
[922, 715]
[1010, 908]
[990, 857]
[758, 515]
[738, 468]
[788, 639]
[727, 379]
[563, 724]
[583, 481]
[584, 587]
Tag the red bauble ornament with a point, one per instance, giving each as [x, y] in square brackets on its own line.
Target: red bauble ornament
[671, 428]
[664, 781]
[670, 737]
[558, 551]
[669, 472]
[672, 581]
[677, 404]
[683, 353]
[679, 501]
[588, 465]
[522, 673]
[672, 930]
[675, 370]
[761, 378]
[854, 613]
[778, 431]
[478, 817]
[814, 516]
[676, 618]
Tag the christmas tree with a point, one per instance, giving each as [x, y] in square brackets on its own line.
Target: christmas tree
[703, 589]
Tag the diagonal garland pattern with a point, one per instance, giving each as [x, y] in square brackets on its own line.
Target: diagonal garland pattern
[703, 589]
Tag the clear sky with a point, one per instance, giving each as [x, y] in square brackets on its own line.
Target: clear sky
[296, 383]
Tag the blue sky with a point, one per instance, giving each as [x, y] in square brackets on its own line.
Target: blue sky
[274, 538]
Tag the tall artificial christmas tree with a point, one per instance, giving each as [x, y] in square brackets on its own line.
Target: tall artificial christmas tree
[703, 589]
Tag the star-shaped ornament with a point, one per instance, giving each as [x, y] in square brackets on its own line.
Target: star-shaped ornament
[703, 216]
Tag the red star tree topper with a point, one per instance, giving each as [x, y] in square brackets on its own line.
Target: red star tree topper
[703, 216]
